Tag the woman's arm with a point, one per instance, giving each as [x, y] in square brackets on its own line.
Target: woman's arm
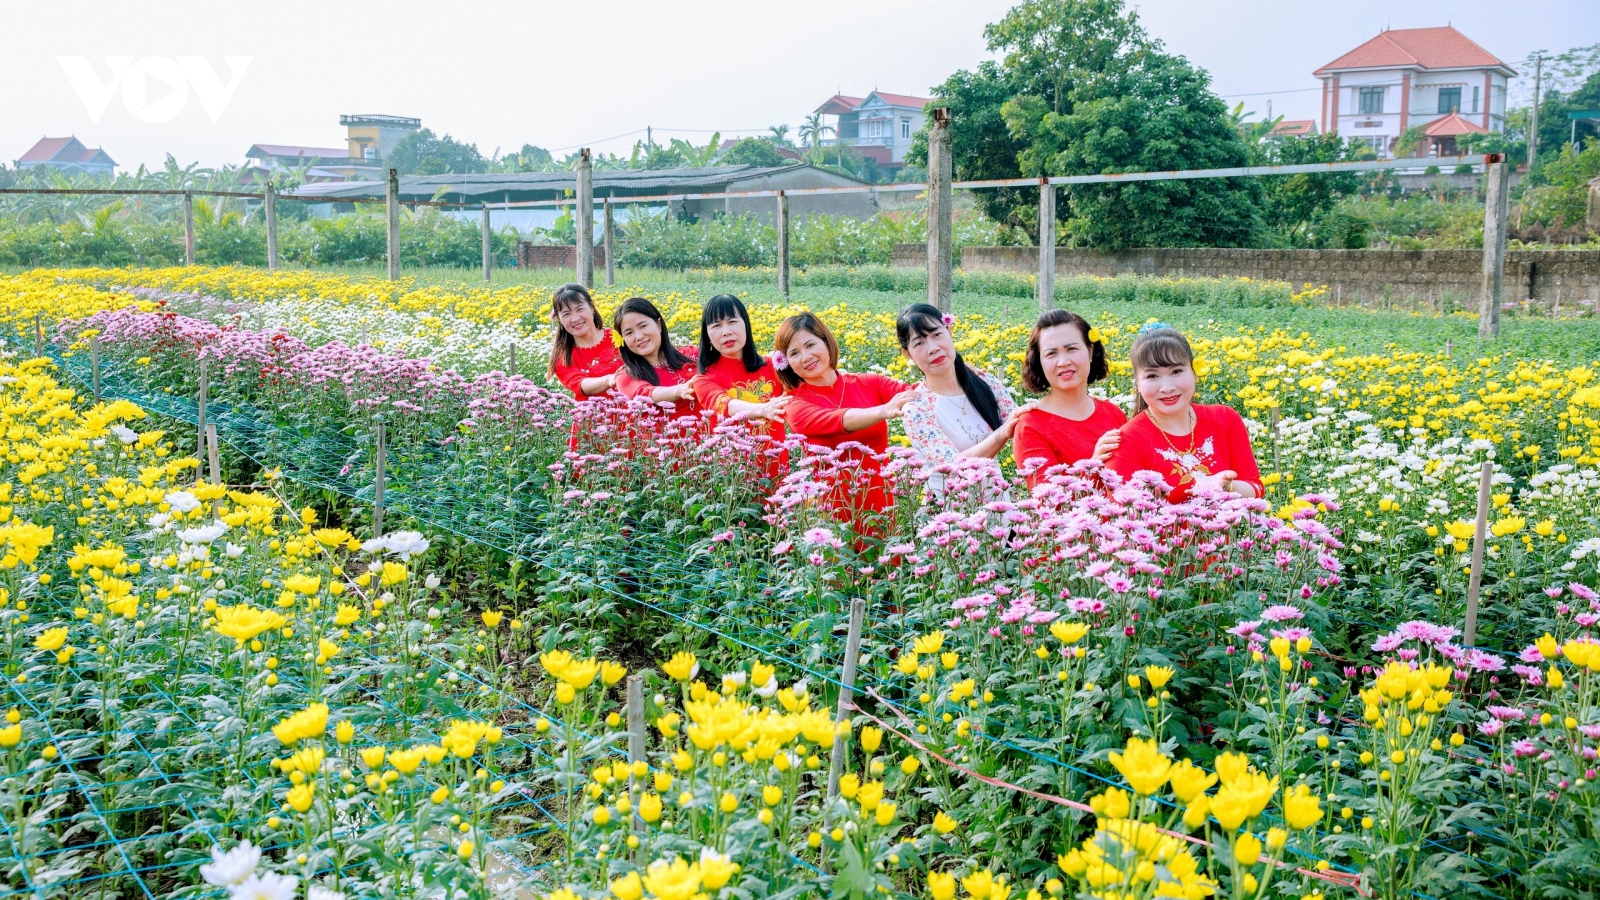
[673, 393]
[857, 419]
[597, 385]
[990, 447]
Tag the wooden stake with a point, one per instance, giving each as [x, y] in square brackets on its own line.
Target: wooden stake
[1494, 246]
[393, 241]
[635, 693]
[94, 365]
[513, 361]
[213, 458]
[585, 219]
[1480, 533]
[188, 228]
[1047, 244]
[783, 244]
[1273, 417]
[940, 233]
[380, 459]
[1449, 348]
[38, 335]
[200, 418]
[852, 653]
[488, 254]
[611, 250]
[271, 204]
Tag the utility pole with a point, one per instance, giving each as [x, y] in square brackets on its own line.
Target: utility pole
[1533, 114]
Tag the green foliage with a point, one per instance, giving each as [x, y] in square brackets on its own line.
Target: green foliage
[1297, 210]
[752, 151]
[1563, 197]
[424, 153]
[1082, 89]
[1416, 221]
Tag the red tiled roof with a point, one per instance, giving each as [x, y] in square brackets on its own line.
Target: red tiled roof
[307, 152]
[59, 150]
[1424, 48]
[45, 150]
[1451, 126]
[1296, 127]
[839, 103]
[902, 99]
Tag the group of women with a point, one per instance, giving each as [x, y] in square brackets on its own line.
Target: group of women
[955, 411]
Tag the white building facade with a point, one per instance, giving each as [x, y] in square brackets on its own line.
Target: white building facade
[1433, 78]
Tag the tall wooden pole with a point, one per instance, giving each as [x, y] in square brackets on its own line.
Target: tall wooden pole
[1479, 535]
[1047, 244]
[610, 243]
[393, 207]
[200, 417]
[1494, 246]
[488, 251]
[783, 244]
[270, 202]
[940, 232]
[188, 228]
[585, 219]
[380, 464]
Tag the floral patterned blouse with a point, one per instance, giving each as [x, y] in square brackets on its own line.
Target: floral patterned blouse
[920, 418]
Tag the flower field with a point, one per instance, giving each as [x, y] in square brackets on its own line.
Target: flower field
[229, 687]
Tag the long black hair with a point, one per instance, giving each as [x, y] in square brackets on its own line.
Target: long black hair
[638, 366]
[727, 306]
[921, 320]
[565, 296]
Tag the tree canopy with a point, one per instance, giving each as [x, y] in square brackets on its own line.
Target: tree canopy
[1081, 88]
[424, 153]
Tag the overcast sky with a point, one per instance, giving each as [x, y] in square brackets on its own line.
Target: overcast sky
[560, 74]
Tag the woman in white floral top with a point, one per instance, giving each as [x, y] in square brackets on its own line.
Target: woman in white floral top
[958, 411]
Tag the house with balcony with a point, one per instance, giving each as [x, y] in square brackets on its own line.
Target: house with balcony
[879, 125]
[67, 155]
[1433, 78]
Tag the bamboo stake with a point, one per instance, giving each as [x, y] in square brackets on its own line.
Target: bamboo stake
[377, 485]
[513, 352]
[212, 454]
[1479, 535]
[635, 689]
[38, 335]
[852, 653]
[200, 419]
[1273, 418]
[94, 365]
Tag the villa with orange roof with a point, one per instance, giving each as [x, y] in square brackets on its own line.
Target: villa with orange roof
[1433, 78]
[879, 125]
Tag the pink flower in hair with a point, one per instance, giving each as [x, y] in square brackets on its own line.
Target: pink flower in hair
[947, 319]
[779, 361]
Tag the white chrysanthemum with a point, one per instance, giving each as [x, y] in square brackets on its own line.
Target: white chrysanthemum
[182, 501]
[233, 867]
[204, 534]
[269, 886]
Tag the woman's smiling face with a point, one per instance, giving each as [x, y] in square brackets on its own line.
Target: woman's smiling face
[932, 353]
[641, 334]
[577, 318]
[808, 355]
[1065, 356]
[1166, 389]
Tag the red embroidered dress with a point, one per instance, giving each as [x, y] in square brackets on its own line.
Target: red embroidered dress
[1219, 442]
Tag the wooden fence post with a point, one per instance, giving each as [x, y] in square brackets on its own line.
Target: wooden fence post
[271, 204]
[783, 244]
[1047, 244]
[393, 207]
[94, 365]
[512, 359]
[200, 417]
[585, 219]
[488, 251]
[940, 234]
[1469, 633]
[188, 228]
[380, 461]
[852, 653]
[610, 245]
[1494, 246]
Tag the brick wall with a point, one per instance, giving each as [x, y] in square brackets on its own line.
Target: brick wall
[1546, 276]
[554, 256]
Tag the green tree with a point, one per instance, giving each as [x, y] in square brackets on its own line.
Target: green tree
[1297, 210]
[779, 135]
[752, 151]
[1082, 89]
[1563, 197]
[813, 132]
[424, 153]
[528, 159]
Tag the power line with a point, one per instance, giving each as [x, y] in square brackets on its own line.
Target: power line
[1266, 93]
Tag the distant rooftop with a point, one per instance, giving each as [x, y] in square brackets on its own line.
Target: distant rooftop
[379, 119]
[1417, 48]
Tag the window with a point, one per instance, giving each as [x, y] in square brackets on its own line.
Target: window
[1449, 100]
[1370, 101]
[1475, 99]
[872, 128]
[905, 129]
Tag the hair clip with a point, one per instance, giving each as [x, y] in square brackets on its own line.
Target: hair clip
[1153, 326]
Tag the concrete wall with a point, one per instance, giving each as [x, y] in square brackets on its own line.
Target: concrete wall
[555, 256]
[1570, 277]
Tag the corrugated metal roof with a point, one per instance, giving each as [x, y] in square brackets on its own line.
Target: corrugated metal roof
[554, 185]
